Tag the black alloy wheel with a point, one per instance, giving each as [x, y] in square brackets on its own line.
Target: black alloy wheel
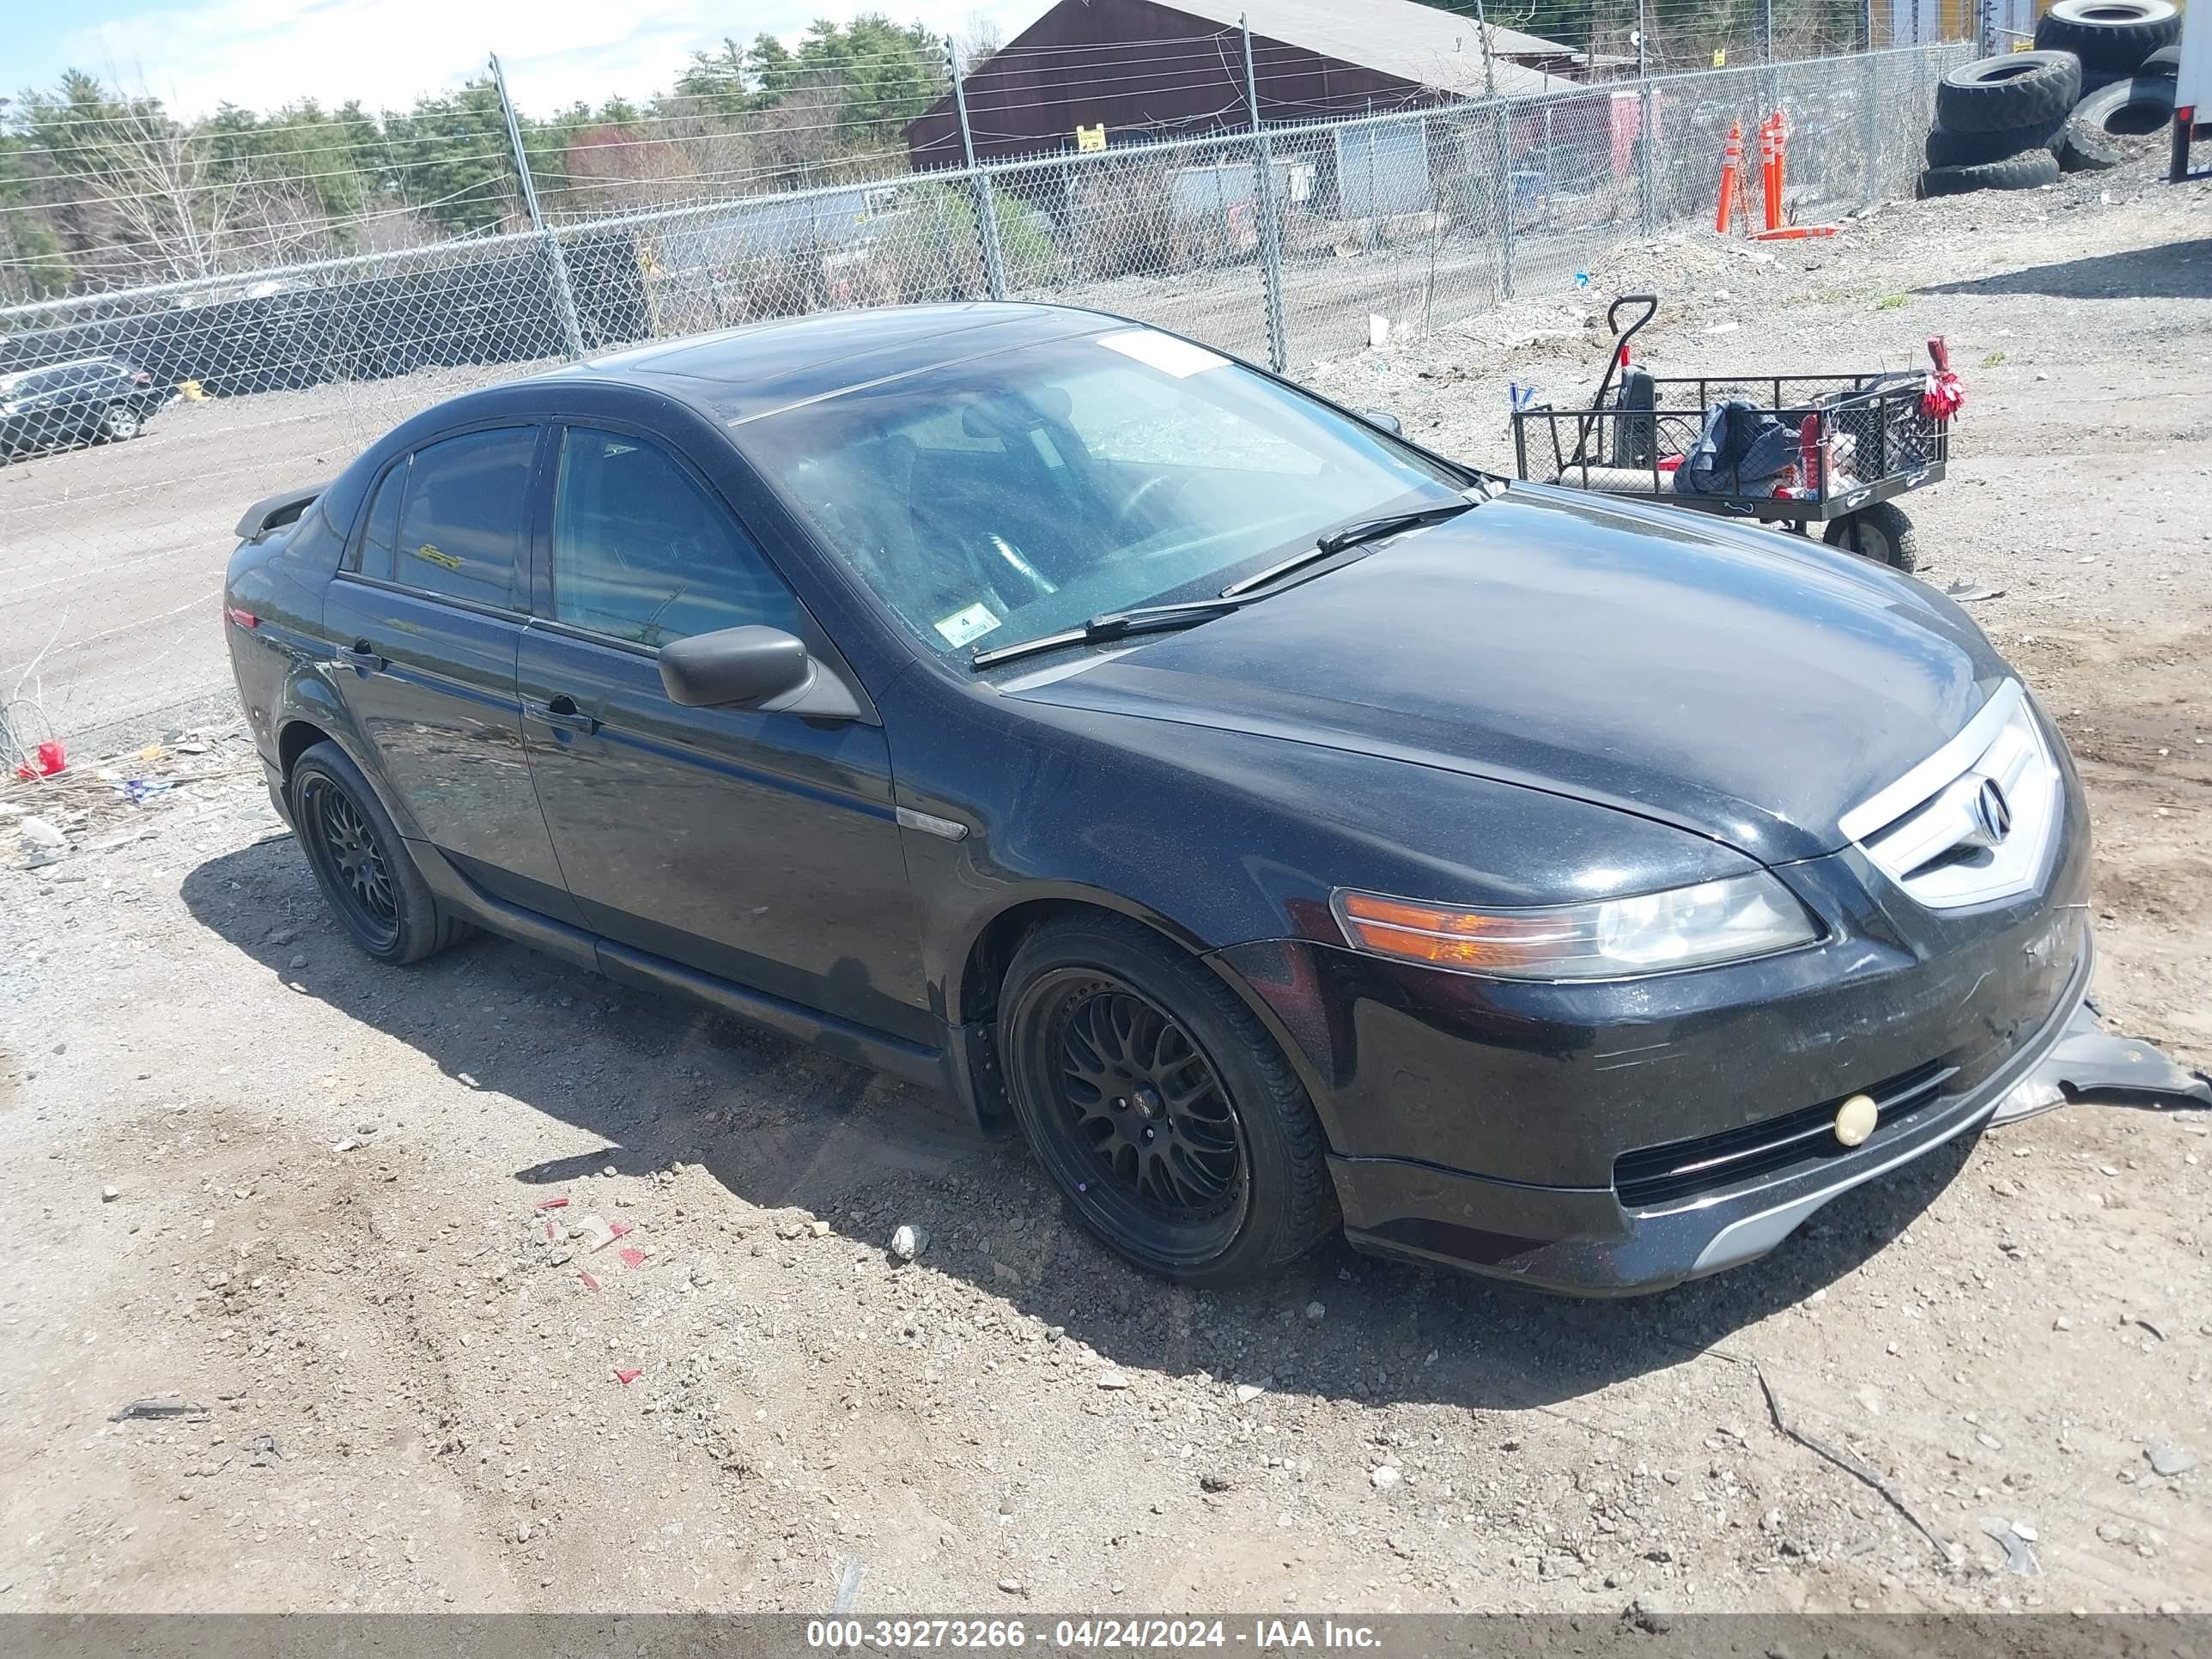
[356, 875]
[1147, 1103]
[1158, 1103]
[361, 863]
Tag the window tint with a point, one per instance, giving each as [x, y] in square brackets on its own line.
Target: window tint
[381, 533]
[461, 531]
[642, 553]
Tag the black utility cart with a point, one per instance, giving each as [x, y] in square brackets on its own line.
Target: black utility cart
[1791, 450]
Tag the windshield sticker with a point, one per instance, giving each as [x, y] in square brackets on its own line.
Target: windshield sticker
[972, 623]
[1163, 352]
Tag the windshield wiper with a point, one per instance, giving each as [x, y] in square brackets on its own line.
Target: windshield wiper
[1348, 536]
[1114, 625]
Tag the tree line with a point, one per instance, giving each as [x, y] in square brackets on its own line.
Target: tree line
[101, 187]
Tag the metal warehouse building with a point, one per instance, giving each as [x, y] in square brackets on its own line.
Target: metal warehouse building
[1144, 69]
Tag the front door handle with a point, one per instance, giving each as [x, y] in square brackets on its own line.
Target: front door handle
[561, 711]
[360, 654]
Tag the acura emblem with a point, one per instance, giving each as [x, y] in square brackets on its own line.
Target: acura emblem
[1992, 811]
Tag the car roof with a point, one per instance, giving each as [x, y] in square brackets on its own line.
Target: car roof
[14, 376]
[739, 375]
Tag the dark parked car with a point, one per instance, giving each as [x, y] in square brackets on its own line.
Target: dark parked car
[82, 402]
[1270, 819]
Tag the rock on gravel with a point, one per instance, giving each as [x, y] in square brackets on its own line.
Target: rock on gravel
[2168, 1458]
[908, 1240]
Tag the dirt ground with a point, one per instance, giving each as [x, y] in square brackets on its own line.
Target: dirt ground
[325, 1229]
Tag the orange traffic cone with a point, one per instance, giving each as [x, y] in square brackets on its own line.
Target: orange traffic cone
[1773, 159]
[1731, 165]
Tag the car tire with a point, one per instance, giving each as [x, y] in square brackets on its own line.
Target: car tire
[120, 423]
[2114, 36]
[2165, 61]
[361, 862]
[1159, 1105]
[2015, 90]
[1882, 532]
[2026, 171]
[1946, 149]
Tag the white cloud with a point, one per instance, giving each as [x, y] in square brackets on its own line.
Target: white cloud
[261, 53]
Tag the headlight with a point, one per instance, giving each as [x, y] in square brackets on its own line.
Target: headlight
[1752, 916]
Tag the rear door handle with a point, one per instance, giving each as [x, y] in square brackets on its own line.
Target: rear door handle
[360, 654]
[562, 711]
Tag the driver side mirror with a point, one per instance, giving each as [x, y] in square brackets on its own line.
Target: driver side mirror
[1385, 419]
[753, 668]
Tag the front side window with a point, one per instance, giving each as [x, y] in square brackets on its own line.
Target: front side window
[461, 531]
[1022, 494]
[642, 553]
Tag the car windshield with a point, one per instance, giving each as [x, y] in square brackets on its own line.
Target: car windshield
[999, 500]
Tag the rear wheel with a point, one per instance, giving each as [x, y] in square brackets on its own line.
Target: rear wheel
[1159, 1104]
[361, 862]
[1882, 532]
[120, 424]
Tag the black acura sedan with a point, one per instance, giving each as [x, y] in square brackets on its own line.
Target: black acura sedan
[1273, 822]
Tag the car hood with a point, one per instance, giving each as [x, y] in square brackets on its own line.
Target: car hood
[1746, 686]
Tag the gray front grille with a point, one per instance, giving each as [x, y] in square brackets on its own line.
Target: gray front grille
[1976, 821]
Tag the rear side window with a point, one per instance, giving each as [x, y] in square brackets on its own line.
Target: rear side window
[381, 534]
[641, 553]
[461, 531]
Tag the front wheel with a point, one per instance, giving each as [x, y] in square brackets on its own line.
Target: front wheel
[119, 424]
[1882, 532]
[1159, 1105]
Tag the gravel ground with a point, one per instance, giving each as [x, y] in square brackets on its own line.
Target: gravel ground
[419, 1387]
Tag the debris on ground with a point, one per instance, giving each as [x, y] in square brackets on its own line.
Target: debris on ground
[138, 1409]
[2169, 1460]
[2014, 1539]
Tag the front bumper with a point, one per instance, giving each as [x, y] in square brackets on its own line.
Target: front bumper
[1580, 1241]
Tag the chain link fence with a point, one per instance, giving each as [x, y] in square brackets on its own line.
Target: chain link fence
[1278, 244]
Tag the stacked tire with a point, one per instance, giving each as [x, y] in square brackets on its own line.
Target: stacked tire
[2102, 71]
[2129, 56]
[2000, 121]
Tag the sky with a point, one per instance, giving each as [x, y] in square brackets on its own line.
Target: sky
[194, 54]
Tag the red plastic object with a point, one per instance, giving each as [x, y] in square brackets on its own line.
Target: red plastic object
[620, 1229]
[1809, 454]
[631, 1255]
[552, 1204]
[1944, 394]
[627, 1377]
[590, 1282]
[47, 761]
